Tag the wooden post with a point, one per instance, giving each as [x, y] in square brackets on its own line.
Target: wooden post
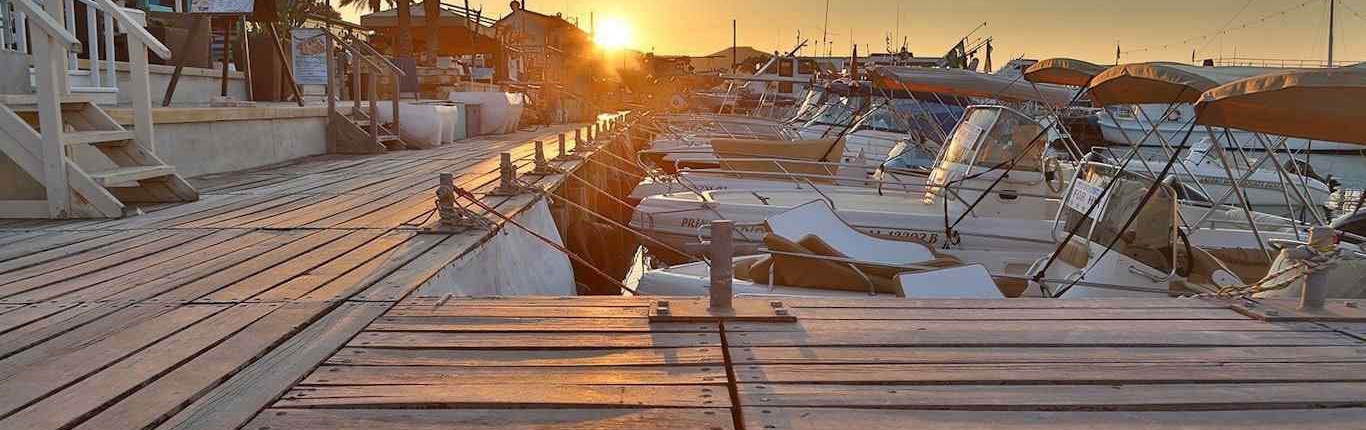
[198, 24]
[722, 274]
[397, 95]
[331, 76]
[374, 106]
[246, 55]
[289, 70]
[355, 85]
[49, 59]
[227, 53]
[140, 94]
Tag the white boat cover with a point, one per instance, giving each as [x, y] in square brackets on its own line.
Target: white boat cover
[1160, 82]
[499, 113]
[967, 83]
[1327, 104]
[961, 282]
[420, 125]
[816, 218]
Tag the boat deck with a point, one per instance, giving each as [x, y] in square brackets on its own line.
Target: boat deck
[197, 315]
[605, 363]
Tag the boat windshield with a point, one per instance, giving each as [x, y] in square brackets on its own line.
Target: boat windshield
[988, 137]
[908, 158]
[838, 113]
[1149, 238]
[810, 106]
[903, 115]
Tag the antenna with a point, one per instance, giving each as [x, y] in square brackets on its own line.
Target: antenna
[825, 29]
[1332, 5]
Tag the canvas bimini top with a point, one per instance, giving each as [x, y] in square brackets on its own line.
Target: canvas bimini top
[967, 83]
[1143, 83]
[1063, 71]
[1327, 104]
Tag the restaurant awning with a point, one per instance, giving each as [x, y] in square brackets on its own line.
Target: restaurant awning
[967, 83]
[1328, 105]
[1163, 82]
[1063, 71]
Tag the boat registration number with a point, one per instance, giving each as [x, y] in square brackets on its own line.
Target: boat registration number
[1084, 195]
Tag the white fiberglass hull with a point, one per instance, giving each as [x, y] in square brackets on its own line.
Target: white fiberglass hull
[1125, 132]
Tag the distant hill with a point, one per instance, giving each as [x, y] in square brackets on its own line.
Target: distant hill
[721, 60]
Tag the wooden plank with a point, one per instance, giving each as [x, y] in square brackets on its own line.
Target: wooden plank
[529, 312]
[1140, 397]
[478, 324]
[1080, 355]
[505, 396]
[167, 394]
[236, 400]
[388, 274]
[119, 267]
[529, 357]
[1019, 314]
[1016, 325]
[64, 408]
[1020, 303]
[525, 301]
[491, 419]
[94, 261]
[29, 255]
[1053, 335]
[296, 265]
[567, 375]
[25, 314]
[35, 372]
[533, 340]
[883, 419]
[1059, 373]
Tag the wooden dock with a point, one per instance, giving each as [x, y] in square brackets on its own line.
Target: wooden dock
[198, 315]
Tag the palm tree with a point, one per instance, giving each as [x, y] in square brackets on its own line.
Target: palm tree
[431, 12]
[405, 20]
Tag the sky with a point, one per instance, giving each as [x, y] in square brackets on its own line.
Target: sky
[1146, 30]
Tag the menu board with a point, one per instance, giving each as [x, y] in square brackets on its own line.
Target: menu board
[309, 46]
[222, 6]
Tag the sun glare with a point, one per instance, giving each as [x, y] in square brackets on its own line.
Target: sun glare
[613, 33]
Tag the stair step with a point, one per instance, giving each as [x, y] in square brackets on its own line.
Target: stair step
[98, 137]
[128, 176]
[384, 138]
[31, 100]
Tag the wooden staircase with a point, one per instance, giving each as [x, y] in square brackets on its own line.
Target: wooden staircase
[49, 134]
[356, 130]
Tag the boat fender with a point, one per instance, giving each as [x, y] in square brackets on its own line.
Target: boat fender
[1051, 168]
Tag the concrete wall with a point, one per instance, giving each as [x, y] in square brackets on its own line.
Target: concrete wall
[196, 87]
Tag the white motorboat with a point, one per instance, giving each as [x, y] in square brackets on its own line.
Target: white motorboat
[1126, 125]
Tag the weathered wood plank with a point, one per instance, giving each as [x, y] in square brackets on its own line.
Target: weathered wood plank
[1016, 325]
[1019, 314]
[1060, 397]
[1059, 373]
[494, 419]
[1251, 354]
[39, 263]
[48, 242]
[1046, 336]
[522, 302]
[237, 399]
[529, 312]
[505, 396]
[533, 340]
[481, 324]
[167, 394]
[532, 358]
[559, 375]
[65, 407]
[883, 419]
[299, 264]
[34, 373]
[21, 315]
[1021, 303]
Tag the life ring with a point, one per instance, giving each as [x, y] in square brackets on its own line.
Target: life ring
[1052, 174]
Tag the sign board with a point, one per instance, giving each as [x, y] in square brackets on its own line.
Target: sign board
[309, 48]
[1084, 194]
[238, 7]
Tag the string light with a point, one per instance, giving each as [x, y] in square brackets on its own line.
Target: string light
[1245, 25]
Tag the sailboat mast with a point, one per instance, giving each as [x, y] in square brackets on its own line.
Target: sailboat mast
[1332, 6]
[825, 30]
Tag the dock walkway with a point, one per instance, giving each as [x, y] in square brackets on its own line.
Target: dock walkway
[601, 363]
[197, 315]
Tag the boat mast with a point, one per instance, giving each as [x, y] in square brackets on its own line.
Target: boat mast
[825, 31]
[1332, 5]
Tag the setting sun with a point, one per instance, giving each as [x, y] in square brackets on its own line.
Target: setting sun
[613, 33]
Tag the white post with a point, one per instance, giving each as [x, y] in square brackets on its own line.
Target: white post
[49, 63]
[92, 38]
[139, 90]
[111, 68]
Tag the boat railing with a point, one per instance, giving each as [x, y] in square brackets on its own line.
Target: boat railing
[1283, 63]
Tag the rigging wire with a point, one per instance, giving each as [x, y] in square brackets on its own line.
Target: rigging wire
[1222, 32]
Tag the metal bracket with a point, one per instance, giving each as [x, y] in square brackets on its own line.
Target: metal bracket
[507, 178]
[747, 309]
[1288, 310]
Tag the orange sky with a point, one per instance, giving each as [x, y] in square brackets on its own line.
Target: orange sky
[1087, 29]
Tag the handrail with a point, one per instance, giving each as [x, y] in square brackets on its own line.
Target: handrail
[48, 24]
[134, 29]
[370, 51]
[353, 50]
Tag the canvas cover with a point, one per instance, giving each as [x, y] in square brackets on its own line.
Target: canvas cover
[1063, 71]
[734, 151]
[967, 83]
[1328, 104]
[1143, 83]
